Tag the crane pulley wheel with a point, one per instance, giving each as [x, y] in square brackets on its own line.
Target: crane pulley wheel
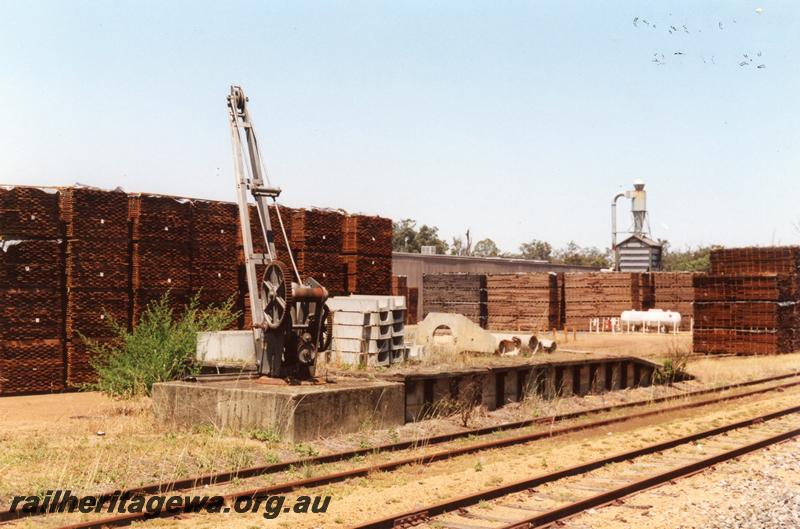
[239, 99]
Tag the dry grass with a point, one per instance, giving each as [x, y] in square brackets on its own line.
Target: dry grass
[52, 441]
[716, 371]
[87, 442]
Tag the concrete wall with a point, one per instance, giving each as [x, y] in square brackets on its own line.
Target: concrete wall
[413, 265]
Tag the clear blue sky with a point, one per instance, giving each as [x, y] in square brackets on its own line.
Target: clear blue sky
[518, 120]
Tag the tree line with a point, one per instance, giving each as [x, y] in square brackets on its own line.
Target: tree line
[407, 237]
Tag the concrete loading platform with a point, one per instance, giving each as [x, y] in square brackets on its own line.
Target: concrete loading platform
[292, 412]
[353, 400]
[510, 381]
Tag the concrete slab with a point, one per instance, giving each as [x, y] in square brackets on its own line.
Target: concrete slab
[294, 412]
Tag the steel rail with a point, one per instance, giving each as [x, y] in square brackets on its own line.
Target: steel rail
[414, 517]
[289, 486]
[606, 498]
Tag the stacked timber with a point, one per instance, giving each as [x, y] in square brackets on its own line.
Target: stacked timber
[161, 256]
[71, 259]
[749, 302]
[31, 292]
[411, 295]
[316, 240]
[590, 295]
[456, 293]
[213, 246]
[674, 291]
[412, 304]
[97, 273]
[524, 301]
[755, 261]
[367, 254]
[400, 286]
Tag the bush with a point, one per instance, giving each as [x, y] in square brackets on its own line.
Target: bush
[161, 347]
[673, 369]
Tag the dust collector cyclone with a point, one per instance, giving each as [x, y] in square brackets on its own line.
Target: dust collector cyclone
[291, 323]
[643, 253]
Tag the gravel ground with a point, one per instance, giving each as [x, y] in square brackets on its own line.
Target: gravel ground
[758, 491]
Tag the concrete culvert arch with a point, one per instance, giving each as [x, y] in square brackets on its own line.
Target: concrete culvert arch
[443, 334]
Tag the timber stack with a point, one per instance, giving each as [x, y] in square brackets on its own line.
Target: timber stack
[748, 303]
[456, 293]
[524, 301]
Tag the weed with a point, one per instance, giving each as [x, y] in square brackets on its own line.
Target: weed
[265, 436]
[394, 435]
[305, 450]
[161, 347]
[673, 369]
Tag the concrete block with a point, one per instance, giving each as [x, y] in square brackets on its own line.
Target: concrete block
[226, 347]
[296, 413]
[341, 317]
[362, 332]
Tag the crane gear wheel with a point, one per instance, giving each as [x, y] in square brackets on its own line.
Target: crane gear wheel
[326, 332]
[276, 293]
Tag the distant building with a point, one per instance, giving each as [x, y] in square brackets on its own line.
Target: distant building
[639, 253]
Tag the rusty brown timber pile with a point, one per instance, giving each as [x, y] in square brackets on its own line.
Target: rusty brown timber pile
[317, 242]
[748, 304]
[400, 288]
[31, 320]
[367, 254]
[29, 213]
[74, 257]
[161, 256]
[674, 291]
[412, 304]
[524, 301]
[456, 293]
[755, 261]
[590, 295]
[98, 262]
[214, 238]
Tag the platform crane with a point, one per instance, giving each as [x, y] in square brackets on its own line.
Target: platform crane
[291, 323]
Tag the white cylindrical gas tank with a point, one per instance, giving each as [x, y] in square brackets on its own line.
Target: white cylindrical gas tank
[651, 318]
[655, 317]
[632, 317]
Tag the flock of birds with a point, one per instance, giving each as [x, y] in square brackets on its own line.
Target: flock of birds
[660, 59]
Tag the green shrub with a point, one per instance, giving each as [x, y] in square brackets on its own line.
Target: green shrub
[673, 368]
[161, 347]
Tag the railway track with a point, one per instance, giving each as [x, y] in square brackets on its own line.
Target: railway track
[284, 487]
[539, 501]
